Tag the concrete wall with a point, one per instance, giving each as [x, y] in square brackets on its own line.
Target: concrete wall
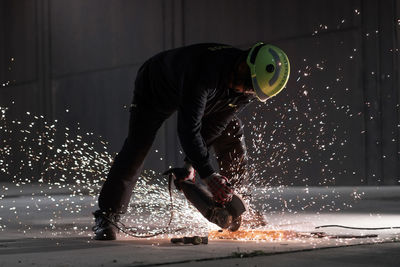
[337, 122]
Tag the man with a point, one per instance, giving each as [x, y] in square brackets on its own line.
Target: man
[207, 84]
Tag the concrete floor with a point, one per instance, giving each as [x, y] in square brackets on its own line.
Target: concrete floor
[51, 227]
[353, 256]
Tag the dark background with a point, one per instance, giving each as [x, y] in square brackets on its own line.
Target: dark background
[336, 123]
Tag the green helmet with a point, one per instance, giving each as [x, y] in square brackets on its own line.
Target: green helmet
[270, 70]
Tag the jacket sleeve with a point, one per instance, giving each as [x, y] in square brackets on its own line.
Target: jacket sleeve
[213, 125]
[190, 114]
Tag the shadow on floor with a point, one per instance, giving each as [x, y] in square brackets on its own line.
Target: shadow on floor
[39, 245]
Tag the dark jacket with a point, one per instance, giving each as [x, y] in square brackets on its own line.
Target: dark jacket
[195, 81]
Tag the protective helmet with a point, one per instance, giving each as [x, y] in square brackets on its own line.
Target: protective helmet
[269, 68]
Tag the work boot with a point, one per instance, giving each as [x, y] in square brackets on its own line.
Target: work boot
[106, 225]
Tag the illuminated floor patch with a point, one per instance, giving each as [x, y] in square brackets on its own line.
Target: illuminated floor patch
[245, 235]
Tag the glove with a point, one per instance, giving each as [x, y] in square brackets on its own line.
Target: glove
[183, 174]
[192, 172]
[219, 188]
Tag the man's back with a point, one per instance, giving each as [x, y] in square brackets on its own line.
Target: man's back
[200, 67]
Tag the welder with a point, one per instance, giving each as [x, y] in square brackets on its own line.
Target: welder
[207, 85]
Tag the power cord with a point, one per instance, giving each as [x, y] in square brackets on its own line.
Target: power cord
[134, 233]
[357, 228]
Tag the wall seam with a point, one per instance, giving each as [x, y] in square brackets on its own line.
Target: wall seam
[166, 124]
[3, 40]
[380, 95]
[363, 84]
[183, 19]
[50, 92]
[37, 43]
[395, 83]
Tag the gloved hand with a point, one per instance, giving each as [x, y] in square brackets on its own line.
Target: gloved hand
[183, 174]
[192, 172]
[219, 187]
